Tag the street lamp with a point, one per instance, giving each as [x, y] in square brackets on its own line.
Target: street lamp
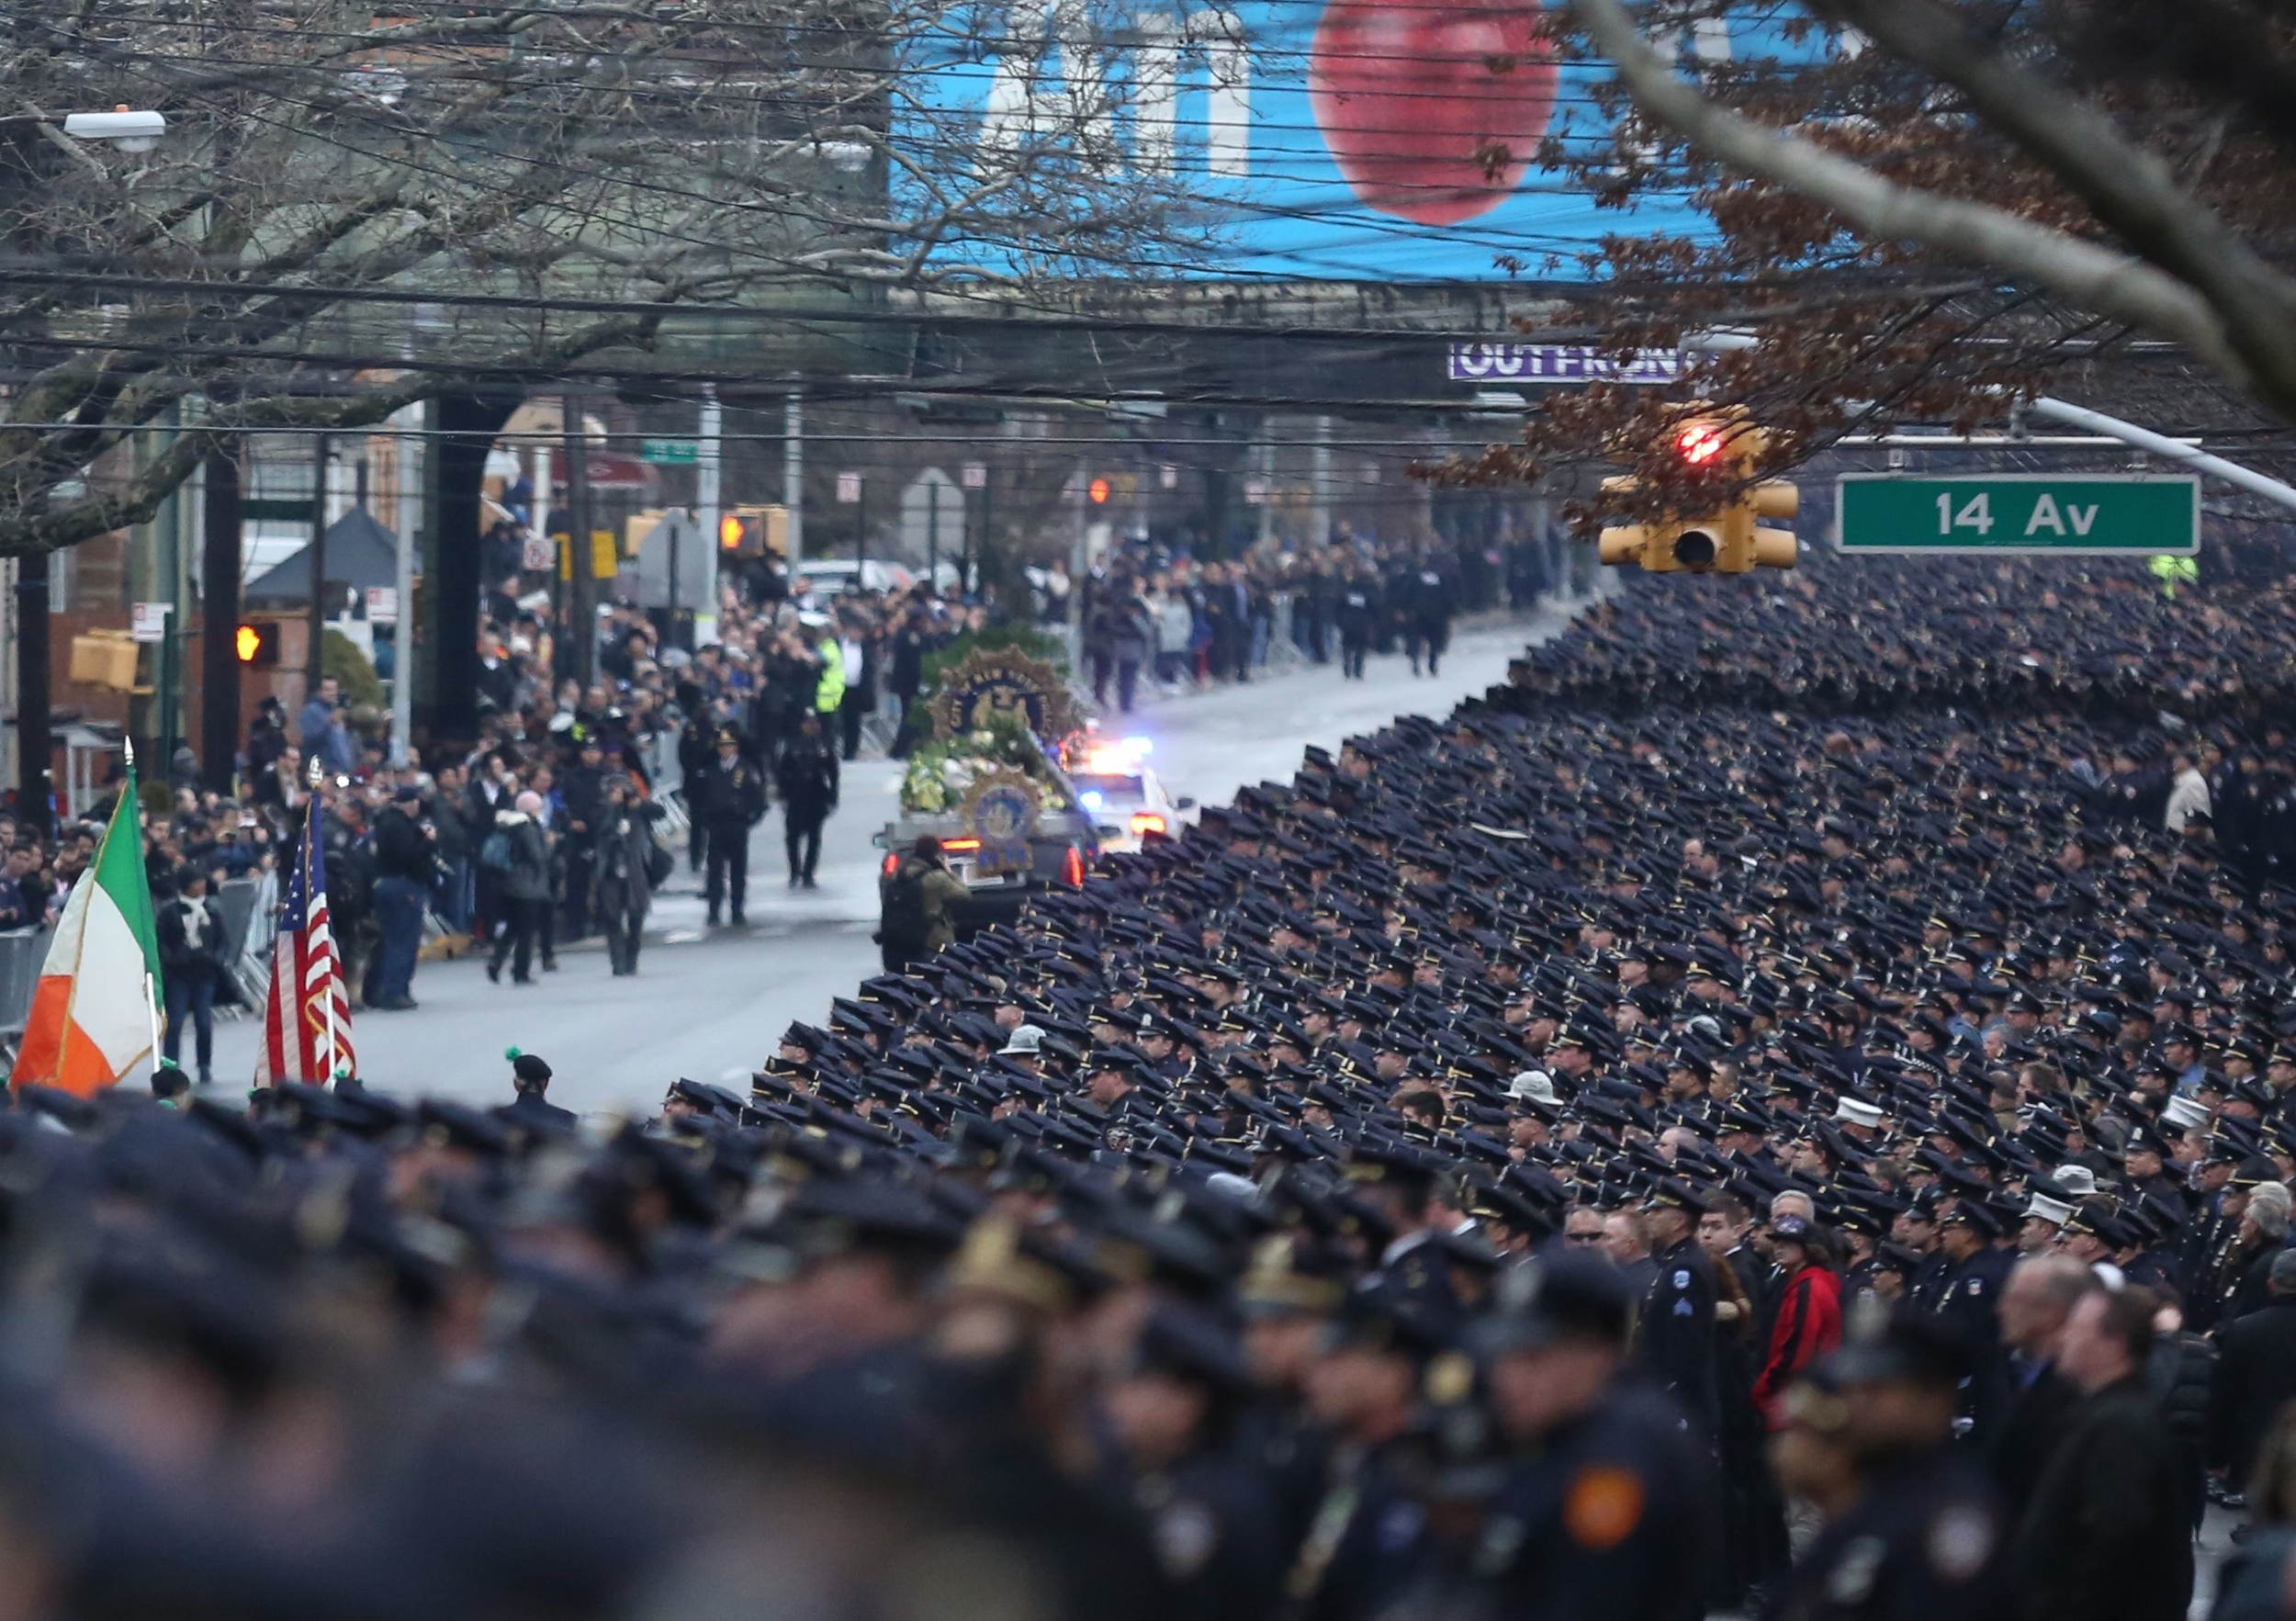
[129, 131]
[126, 129]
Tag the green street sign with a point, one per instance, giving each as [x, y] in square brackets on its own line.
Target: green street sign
[2017, 513]
[669, 450]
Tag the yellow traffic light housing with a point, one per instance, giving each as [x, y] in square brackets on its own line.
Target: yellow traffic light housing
[1732, 541]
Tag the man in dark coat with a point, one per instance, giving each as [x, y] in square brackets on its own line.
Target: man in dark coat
[1604, 1510]
[728, 799]
[622, 847]
[1429, 599]
[583, 793]
[1357, 602]
[807, 778]
[405, 869]
[2255, 1375]
[2108, 1535]
[2039, 1298]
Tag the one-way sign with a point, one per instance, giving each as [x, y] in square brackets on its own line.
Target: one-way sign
[2018, 512]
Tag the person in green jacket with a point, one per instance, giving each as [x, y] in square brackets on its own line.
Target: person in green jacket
[830, 693]
[918, 898]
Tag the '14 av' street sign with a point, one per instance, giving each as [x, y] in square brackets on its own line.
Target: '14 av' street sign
[2017, 513]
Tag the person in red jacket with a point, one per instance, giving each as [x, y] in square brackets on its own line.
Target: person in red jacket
[1808, 1323]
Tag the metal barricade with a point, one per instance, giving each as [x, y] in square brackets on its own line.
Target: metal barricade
[22, 953]
[662, 769]
[251, 921]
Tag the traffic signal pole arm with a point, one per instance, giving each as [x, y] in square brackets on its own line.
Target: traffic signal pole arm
[2160, 444]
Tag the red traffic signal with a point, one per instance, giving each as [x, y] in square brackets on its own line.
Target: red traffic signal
[1702, 441]
[1098, 490]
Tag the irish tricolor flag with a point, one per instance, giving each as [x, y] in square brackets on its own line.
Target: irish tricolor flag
[96, 1012]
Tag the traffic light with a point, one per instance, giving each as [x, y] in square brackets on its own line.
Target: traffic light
[1731, 541]
[257, 644]
[1098, 490]
[752, 532]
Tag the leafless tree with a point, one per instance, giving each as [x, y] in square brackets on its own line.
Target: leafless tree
[352, 210]
[1923, 209]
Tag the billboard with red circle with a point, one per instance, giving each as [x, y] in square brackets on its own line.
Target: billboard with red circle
[1345, 140]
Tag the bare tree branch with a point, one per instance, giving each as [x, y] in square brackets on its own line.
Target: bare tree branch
[2132, 191]
[2091, 276]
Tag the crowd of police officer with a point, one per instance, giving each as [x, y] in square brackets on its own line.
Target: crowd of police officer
[1618, 1151]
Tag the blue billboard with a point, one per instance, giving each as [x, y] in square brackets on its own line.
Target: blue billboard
[1353, 140]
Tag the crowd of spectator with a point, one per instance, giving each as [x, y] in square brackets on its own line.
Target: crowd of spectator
[564, 770]
[1183, 624]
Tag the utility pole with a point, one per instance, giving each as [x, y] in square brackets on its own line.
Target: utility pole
[793, 475]
[219, 626]
[409, 496]
[314, 662]
[932, 534]
[1320, 514]
[35, 749]
[581, 628]
[983, 548]
[167, 535]
[707, 499]
[1079, 565]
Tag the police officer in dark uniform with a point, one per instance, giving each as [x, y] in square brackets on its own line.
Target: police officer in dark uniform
[1605, 1511]
[531, 1108]
[1914, 1530]
[1927, 1286]
[1676, 1338]
[1210, 1514]
[1357, 606]
[1430, 598]
[728, 799]
[1363, 1544]
[1976, 1273]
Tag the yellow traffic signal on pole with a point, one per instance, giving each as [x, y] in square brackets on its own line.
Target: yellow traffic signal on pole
[1731, 541]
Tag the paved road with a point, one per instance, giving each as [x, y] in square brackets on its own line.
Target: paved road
[708, 1004]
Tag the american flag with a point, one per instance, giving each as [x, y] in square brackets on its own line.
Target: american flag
[306, 1016]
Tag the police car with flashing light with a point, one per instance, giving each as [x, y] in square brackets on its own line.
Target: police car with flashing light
[1123, 795]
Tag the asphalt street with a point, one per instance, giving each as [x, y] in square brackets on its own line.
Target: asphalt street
[707, 1004]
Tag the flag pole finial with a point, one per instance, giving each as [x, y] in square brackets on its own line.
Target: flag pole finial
[318, 772]
[127, 747]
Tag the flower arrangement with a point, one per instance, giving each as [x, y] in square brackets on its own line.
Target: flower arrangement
[942, 769]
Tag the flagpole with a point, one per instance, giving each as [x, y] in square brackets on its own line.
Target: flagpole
[311, 833]
[151, 991]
